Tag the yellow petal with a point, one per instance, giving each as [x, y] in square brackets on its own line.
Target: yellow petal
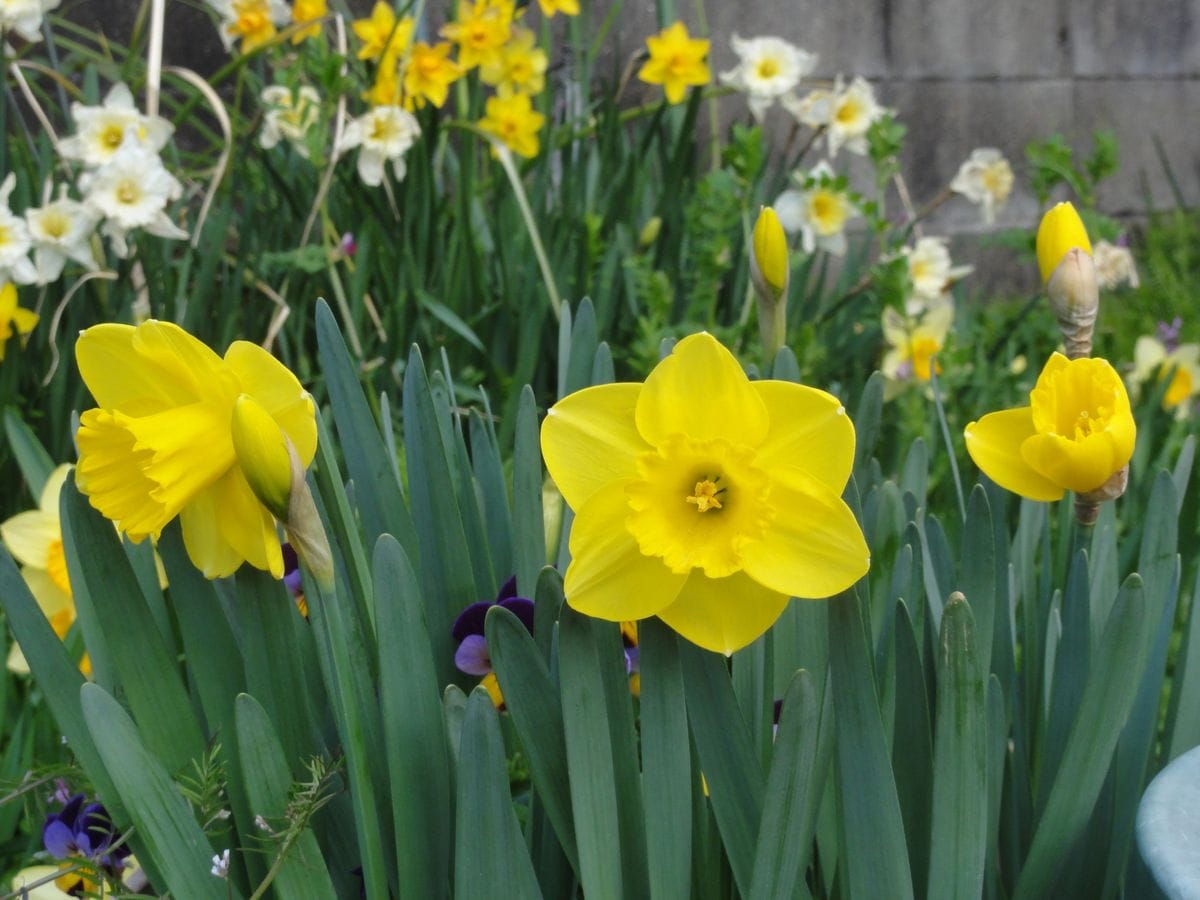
[609, 577]
[1078, 465]
[146, 369]
[18, 665]
[723, 614]
[111, 476]
[1060, 230]
[701, 391]
[24, 320]
[225, 525]
[279, 392]
[29, 536]
[8, 301]
[52, 600]
[771, 251]
[52, 489]
[994, 443]
[589, 439]
[809, 430]
[190, 448]
[262, 454]
[814, 548]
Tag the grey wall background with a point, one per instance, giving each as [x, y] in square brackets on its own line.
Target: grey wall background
[960, 73]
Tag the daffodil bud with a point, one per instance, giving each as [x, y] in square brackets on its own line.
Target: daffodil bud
[262, 453]
[649, 232]
[1065, 260]
[770, 272]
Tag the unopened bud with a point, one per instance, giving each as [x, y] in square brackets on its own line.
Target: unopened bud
[770, 273]
[649, 232]
[262, 454]
[1065, 261]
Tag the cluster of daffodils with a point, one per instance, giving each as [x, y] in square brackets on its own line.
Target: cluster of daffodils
[1077, 433]
[252, 24]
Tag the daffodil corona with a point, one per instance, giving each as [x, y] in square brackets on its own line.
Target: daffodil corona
[704, 498]
[161, 444]
[1076, 433]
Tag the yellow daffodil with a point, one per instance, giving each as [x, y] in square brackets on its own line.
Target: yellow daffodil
[913, 344]
[1061, 231]
[480, 30]
[704, 498]
[385, 89]
[514, 122]
[161, 445]
[381, 34]
[1154, 361]
[519, 68]
[428, 75]
[34, 538]
[770, 272]
[1065, 260]
[676, 62]
[13, 319]
[566, 7]
[1076, 433]
[306, 11]
[252, 22]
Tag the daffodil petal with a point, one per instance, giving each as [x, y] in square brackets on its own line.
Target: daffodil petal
[225, 525]
[279, 392]
[609, 577]
[1078, 465]
[51, 599]
[18, 665]
[110, 475]
[589, 440]
[52, 489]
[723, 614]
[994, 443]
[701, 391]
[814, 547]
[809, 430]
[28, 537]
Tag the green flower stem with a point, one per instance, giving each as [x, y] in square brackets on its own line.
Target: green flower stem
[514, 178]
[941, 413]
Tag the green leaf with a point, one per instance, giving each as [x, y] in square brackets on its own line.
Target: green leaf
[268, 779]
[490, 853]
[958, 845]
[728, 759]
[799, 763]
[529, 531]
[666, 761]
[149, 677]
[912, 747]
[532, 701]
[584, 340]
[413, 729]
[874, 850]
[493, 496]
[977, 573]
[1103, 710]
[866, 419]
[32, 459]
[166, 827]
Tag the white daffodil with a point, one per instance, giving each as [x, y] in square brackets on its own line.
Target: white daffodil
[985, 178]
[61, 230]
[768, 68]
[386, 132]
[14, 240]
[253, 22]
[931, 271]
[818, 211]
[1154, 361]
[100, 130]
[289, 116]
[25, 16]
[132, 191]
[913, 342]
[1114, 265]
[846, 113]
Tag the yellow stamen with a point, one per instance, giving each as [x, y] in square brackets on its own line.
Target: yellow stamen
[705, 496]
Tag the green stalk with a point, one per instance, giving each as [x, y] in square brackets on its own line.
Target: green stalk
[514, 178]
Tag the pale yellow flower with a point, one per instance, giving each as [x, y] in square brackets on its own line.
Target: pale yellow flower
[1114, 265]
[985, 178]
[1153, 362]
[846, 113]
[913, 343]
[768, 69]
[818, 211]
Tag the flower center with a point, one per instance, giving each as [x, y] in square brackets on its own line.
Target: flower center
[848, 112]
[55, 224]
[768, 68]
[997, 180]
[383, 129]
[1179, 389]
[705, 495]
[826, 213]
[5, 235]
[112, 136]
[923, 350]
[127, 192]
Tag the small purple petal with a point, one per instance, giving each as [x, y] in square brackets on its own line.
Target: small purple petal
[472, 655]
[94, 830]
[58, 838]
[292, 580]
[632, 660]
[522, 609]
[507, 590]
[470, 620]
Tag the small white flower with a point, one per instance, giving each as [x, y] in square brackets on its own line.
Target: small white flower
[768, 68]
[132, 191]
[818, 211]
[220, 864]
[25, 16]
[846, 113]
[1114, 265]
[931, 271]
[14, 240]
[100, 130]
[985, 178]
[61, 230]
[386, 132]
[289, 116]
[913, 344]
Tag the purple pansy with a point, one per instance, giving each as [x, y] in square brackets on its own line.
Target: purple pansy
[1168, 333]
[472, 654]
[85, 830]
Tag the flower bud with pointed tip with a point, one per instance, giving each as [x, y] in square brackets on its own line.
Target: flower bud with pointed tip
[1065, 261]
[770, 272]
[262, 453]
